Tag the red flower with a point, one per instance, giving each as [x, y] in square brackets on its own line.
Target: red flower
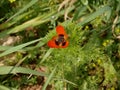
[60, 40]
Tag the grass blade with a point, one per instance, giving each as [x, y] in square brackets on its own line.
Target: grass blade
[23, 9]
[95, 14]
[13, 70]
[3, 48]
[16, 48]
[47, 54]
[48, 80]
[6, 88]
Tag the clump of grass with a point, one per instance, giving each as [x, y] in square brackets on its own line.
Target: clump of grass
[91, 61]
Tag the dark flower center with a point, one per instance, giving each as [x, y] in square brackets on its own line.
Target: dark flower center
[60, 40]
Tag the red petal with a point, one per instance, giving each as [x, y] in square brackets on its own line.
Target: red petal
[66, 45]
[52, 44]
[60, 30]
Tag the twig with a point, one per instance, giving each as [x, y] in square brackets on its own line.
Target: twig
[113, 26]
[67, 4]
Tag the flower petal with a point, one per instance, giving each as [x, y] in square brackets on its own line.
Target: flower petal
[60, 30]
